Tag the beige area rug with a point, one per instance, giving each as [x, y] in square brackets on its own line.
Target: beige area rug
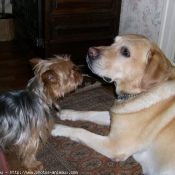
[63, 156]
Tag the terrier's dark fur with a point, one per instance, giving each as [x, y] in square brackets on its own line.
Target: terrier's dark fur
[25, 115]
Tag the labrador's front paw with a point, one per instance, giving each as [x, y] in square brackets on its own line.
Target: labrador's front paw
[61, 130]
[66, 114]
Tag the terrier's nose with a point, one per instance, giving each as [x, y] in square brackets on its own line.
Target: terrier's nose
[93, 52]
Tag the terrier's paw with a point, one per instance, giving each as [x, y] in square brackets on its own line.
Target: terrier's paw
[34, 166]
[39, 166]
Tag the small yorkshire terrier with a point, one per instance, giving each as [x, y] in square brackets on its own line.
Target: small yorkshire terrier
[25, 115]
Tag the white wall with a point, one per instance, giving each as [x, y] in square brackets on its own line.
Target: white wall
[141, 17]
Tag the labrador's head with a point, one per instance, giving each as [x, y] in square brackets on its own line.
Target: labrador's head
[133, 62]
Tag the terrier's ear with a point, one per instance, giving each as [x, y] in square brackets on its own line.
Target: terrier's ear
[49, 77]
[34, 61]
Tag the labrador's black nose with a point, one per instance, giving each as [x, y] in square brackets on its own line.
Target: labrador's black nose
[93, 52]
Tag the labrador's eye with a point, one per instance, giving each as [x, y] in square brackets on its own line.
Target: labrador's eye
[125, 52]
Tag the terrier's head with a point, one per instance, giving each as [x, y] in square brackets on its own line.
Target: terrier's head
[59, 75]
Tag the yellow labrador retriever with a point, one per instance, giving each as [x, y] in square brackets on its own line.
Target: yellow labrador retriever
[142, 119]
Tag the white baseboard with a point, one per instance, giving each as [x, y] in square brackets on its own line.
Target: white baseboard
[166, 39]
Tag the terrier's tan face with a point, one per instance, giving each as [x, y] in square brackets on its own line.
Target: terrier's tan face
[59, 75]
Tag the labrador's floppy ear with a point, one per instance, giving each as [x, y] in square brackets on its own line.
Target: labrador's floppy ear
[156, 71]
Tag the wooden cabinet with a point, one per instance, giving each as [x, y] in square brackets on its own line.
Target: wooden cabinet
[66, 26]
